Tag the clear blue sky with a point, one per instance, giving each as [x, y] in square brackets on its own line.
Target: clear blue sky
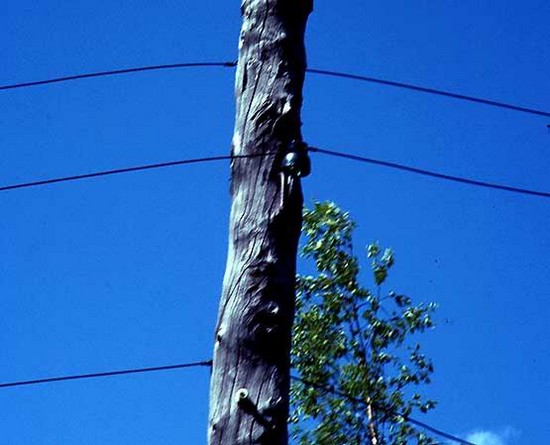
[126, 271]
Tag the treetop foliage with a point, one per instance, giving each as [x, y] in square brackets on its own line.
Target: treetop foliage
[359, 368]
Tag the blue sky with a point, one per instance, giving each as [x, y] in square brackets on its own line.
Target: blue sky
[126, 271]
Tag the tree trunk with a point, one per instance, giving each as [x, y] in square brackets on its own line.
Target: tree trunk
[250, 377]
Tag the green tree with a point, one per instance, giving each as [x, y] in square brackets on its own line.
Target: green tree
[355, 355]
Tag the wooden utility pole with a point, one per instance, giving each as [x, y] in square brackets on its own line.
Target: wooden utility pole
[250, 376]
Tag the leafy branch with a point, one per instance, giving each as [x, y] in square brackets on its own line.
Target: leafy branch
[354, 345]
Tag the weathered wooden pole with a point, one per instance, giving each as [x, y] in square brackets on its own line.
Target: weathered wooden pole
[250, 376]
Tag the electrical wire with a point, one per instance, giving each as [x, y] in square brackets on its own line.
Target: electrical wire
[427, 90]
[321, 72]
[392, 165]
[430, 173]
[117, 72]
[206, 363]
[408, 419]
[128, 170]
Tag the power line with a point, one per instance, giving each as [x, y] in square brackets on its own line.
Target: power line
[420, 89]
[364, 159]
[408, 419]
[432, 174]
[321, 72]
[437, 431]
[117, 72]
[127, 170]
[206, 363]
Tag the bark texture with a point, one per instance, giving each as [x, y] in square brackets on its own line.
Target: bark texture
[252, 339]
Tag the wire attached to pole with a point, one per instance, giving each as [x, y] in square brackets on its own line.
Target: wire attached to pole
[419, 171]
[117, 72]
[206, 363]
[129, 170]
[408, 419]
